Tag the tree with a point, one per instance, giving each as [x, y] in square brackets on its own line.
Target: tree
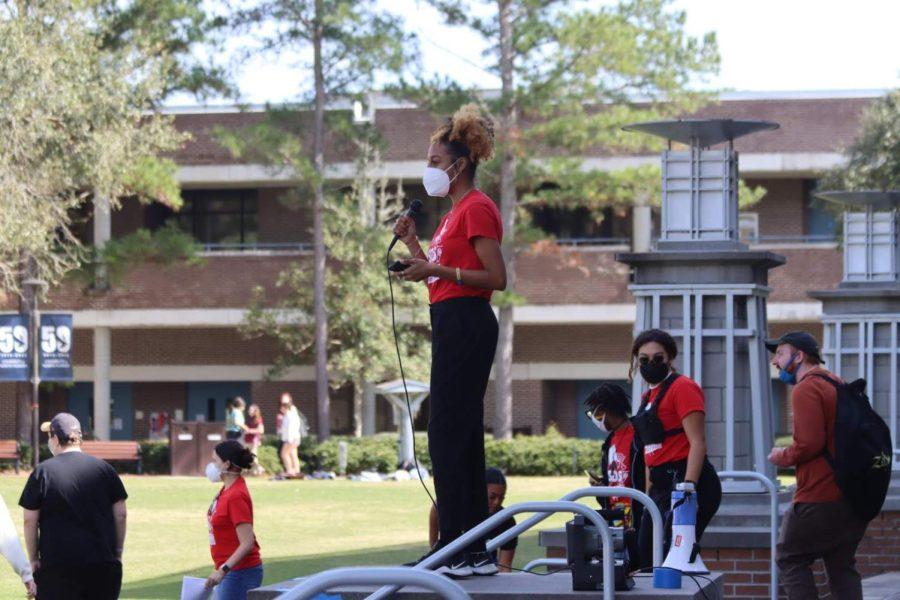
[571, 76]
[351, 42]
[361, 341]
[77, 121]
[176, 30]
[873, 159]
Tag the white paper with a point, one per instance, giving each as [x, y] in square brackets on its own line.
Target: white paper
[192, 588]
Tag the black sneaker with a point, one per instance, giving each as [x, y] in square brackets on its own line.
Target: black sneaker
[482, 563]
[457, 568]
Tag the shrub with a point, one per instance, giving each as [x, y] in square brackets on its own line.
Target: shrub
[154, 457]
[268, 459]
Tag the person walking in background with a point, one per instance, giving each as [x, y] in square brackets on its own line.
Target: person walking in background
[12, 550]
[820, 523]
[235, 424]
[74, 509]
[290, 437]
[233, 545]
[254, 432]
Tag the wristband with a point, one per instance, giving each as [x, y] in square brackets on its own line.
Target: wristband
[458, 276]
[225, 568]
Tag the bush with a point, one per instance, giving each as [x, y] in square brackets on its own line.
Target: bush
[154, 457]
[268, 459]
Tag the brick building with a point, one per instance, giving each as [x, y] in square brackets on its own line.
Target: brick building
[170, 332]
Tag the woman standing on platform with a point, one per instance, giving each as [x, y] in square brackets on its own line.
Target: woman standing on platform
[462, 268]
[671, 425]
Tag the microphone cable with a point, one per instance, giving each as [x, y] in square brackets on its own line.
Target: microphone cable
[403, 379]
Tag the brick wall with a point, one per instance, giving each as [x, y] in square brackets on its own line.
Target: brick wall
[747, 569]
[781, 210]
[267, 394]
[571, 343]
[155, 396]
[528, 406]
[7, 410]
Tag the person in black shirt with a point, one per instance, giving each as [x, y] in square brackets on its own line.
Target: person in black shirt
[74, 507]
[496, 491]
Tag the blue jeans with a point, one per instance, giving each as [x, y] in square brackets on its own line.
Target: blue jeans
[236, 584]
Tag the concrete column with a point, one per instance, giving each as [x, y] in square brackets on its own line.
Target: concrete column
[641, 224]
[368, 409]
[102, 335]
[102, 354]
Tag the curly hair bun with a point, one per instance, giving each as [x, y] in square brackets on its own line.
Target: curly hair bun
[468, 128]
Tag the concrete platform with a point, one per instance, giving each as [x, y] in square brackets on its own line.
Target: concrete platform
[507, 586]
[882, 587]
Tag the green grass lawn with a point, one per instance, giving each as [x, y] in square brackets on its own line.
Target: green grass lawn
[302, 526]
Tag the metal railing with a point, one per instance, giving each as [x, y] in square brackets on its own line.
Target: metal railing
[325, 580]
[597, 492]
[773, 523]
[252, 246]
[560, 563]
[545, 509]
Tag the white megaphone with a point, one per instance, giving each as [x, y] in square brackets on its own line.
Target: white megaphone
[684, 554]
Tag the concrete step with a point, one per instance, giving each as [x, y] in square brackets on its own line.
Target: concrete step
[511, 586]
[882, 587]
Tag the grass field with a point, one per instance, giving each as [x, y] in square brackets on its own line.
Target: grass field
[302, 526]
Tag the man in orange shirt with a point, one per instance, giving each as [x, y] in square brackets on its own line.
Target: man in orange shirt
[820, 522]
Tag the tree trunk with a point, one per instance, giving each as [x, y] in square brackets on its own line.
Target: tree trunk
[323, 409]
[504, 359]
[358, 408]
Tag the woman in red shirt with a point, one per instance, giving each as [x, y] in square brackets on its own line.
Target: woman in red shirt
[232, 543]
[671, 425]
[462, 268]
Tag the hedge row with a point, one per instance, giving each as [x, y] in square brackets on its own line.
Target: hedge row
[550, 454]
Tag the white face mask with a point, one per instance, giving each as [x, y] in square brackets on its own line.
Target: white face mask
[213, 473]
[437, 182]
[599, 423]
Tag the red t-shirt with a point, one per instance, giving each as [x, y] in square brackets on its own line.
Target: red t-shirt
[618, 468]
[453, 246]
[231, 507]
[684, 397]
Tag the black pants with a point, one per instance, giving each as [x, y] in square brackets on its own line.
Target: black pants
[463, 341]
[94, 581]
[662, 483]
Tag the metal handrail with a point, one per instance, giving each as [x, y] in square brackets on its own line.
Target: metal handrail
[597, 492]
[773, 523]
[326, 580]
[491, 523]
[546, 562]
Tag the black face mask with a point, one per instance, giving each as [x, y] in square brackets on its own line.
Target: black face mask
[654, 372]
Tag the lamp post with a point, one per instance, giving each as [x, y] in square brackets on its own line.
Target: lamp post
[35, 285]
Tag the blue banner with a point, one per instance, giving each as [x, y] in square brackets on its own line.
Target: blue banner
[56, 347]
[14, 348]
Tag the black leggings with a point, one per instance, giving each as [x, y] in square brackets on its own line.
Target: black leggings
[463, 341]
[663, 479]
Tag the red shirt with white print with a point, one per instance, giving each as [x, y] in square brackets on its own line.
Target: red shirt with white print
[231, 507]
[618, 467]
[453, 244]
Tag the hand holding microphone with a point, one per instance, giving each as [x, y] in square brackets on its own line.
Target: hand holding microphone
[405, 227]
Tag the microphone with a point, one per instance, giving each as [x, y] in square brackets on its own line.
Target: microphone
[414, 207]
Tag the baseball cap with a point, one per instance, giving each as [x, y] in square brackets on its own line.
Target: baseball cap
[63, 426]
[800, 340]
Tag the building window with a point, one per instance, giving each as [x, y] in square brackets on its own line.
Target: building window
[579, 225]
[748, 223]
[821, 219]
[213, 217]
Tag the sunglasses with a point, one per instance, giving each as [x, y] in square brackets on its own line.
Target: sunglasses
[657, 359]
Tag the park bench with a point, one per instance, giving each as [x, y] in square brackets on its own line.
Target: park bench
[114, 451]
[9, 450]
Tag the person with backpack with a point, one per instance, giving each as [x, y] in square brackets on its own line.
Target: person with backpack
[824, 521]
[671, 427]
[621, 459]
